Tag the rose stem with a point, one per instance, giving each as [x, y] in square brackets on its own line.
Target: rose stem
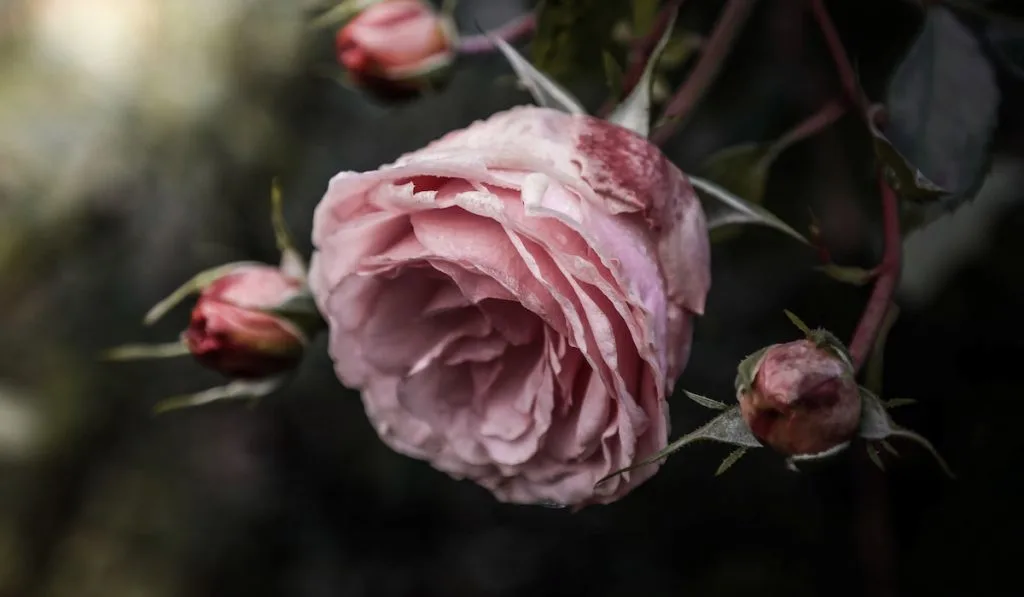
[847, 76]
[511, 31]
[888, 272]
[810, 126]
[872, 524]
[715, 51]
[639, 53]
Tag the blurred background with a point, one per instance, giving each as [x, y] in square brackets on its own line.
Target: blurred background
[138, 139]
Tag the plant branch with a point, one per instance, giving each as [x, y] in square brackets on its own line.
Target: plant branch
[812, 125]
[512, 31]
[873, 317]
[640, 53]
[847, 74]
[716, 49]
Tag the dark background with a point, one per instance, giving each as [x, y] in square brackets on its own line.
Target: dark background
[112, 196]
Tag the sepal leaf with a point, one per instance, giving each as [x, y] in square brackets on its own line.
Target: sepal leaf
[634, 113]
[875, 424]
[705, 401]
[545, 91]
[723, 208]
[238, 389]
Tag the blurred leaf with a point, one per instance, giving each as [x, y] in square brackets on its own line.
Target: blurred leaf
[799, 323]
[545, 91]
[680, 48]
[742, 169]
[572, 36]
[897, 402]
[645, 12]
[132, 352]
[723, 207]
[613, 74]
[746, 371]
[728, 427]
[339, 14]
[875, 424]
[239, 389]
[941, 105]
[730, 460]
[875, 457]
[1007, 43]
[888, 448]
[705, 401]
[857, 276]
[634, 113]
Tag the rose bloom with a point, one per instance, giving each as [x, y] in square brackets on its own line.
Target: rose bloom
[390, 45]
[515, 301]
[230, 332]
[803, 400]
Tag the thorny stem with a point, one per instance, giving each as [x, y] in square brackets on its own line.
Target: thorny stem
[640, 53]
[847, 75]
[513, 30]
[885, 284]
[716, 50]
[811, 126]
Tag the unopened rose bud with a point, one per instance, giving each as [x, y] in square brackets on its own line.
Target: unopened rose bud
[396, 48]
[803, 399]
[231, 332]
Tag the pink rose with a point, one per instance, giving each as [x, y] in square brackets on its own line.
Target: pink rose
[391, 47]
[803, 399]
[230, 332]
[515, 301]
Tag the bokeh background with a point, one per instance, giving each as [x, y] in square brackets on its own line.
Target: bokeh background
[138, 139]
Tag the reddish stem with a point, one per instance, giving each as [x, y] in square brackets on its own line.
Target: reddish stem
[510, 32]
[715, 51]
[847, 75]
[640, 53]
[885, 284]
[812, 125]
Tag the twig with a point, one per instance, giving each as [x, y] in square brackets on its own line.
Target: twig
[847, 75]
[885, 284]
[810, 126]
[716, 50]
[640, 53]
[513, 30]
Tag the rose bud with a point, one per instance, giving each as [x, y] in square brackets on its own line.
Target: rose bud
[802, 400]
[231, 332]
[396, 48]
[515, 301]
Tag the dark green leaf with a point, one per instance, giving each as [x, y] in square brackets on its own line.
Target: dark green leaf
[857, 276]
[875, 457]
[742, 169]
[723, 207]
[572, 36]
[613, 74]
[730, 460]
[942, 105]
[728, 427]
[799, 323]
[705, 401]
[875, 424]
[897, 402]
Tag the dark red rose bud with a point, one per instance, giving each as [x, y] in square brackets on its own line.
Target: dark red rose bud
[230, 332]
[396, 48]
[803, 399]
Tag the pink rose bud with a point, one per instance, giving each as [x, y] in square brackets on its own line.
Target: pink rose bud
[802, 400]
[516, 300]
[230, 331]
[395, 48]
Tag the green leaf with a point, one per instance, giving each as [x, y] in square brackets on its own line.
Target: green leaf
[645, 12]
[875, 457]
[730, 460]
[292, 263]
[545, 90]
[239, 389]
[799, 323]
[705, 401]
[746, 371]
[634, 113]
[728, 427]
[572, 36]
[133, 352]
[341, 13]
[897, 402]
[196, 284]
[856, 276]
[875, 424]
[888, 448]
[942, 105]
[613, 74]
[742, 169]
[722, 208]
